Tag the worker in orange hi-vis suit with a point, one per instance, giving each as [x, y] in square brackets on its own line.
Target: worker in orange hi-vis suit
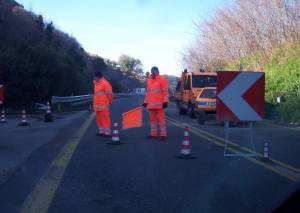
[103, 97]
[156, 100]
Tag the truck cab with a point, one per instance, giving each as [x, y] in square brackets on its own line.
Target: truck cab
[191, 84]
[205, 106]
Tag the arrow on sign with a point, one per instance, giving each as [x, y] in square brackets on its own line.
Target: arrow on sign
[232, 96]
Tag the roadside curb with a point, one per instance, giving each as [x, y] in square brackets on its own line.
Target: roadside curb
[283, 125]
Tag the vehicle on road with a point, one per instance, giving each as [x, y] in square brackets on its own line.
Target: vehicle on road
[205, 105]
[189, 87]
[139, 91]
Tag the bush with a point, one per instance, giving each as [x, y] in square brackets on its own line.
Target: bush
[283, 79]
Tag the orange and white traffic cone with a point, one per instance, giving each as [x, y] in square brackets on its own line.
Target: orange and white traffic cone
[185, 149]
[24, 122]
[266, 156]
[3, 118]
[48, 115]
[115, 139]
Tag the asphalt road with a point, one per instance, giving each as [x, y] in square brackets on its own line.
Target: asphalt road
[18, 143]
[141, 175]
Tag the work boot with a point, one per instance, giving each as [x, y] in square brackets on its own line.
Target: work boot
[163, 138]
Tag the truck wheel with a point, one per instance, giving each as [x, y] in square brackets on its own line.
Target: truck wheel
[201, 118]
[191, 111]
[181, 110]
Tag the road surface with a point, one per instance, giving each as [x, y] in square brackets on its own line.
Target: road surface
[85, 174]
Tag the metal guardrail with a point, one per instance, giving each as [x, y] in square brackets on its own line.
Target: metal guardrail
[80, 102]
[81, 99]
[68, 99]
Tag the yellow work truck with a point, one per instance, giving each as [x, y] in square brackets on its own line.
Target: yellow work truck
[205, 105]
[189, 87]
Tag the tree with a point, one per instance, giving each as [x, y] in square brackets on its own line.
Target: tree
[246, 29]
[38, 61]
[116, 86]
[98, 63]
[131, 66]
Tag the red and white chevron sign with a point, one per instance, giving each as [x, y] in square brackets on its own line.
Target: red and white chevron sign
[1, 94]
[240, 96]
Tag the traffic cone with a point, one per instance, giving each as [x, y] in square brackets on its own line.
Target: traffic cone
[24, 122]
[266, 152]
[3, 118]
[185, 149]
[48, 115]
[115, 139]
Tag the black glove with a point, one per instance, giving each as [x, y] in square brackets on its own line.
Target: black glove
[144, 105]
[165, 105]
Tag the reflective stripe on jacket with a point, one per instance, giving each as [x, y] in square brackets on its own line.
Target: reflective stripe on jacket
[103, 94]
[157, 92]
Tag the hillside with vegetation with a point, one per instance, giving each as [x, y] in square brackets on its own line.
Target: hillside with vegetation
[38, 61]
[262, 35]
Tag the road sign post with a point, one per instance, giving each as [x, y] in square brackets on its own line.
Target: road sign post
[240, 97]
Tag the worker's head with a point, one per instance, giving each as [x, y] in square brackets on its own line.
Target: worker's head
[154, 72]
[147, 74]
[98, 75]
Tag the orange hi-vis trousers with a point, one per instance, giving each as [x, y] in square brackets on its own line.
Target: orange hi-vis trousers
[103, 121]
[157, 117]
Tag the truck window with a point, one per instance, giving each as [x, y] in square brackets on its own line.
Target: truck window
[204, 81]
[208, 93]
[187, 85]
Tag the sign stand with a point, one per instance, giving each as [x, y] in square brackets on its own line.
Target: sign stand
[240, 154]
[240, 97]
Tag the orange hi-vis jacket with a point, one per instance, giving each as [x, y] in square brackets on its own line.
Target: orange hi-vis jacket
[157, 92]
[103, 95]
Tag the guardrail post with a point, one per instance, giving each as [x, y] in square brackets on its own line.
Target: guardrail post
[241, 68]
[90, 107]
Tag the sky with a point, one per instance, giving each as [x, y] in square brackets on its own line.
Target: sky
[154, 31]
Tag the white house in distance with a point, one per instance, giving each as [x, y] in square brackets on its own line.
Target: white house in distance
[139, 91]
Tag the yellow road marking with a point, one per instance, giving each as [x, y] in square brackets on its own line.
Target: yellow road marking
[265, 165]
[242, 147]
[39, 200]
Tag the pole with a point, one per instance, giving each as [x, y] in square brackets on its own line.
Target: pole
[226, 129]
[241, 67]
[251, 135]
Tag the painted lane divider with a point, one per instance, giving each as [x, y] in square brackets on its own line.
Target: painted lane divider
[39, 200]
